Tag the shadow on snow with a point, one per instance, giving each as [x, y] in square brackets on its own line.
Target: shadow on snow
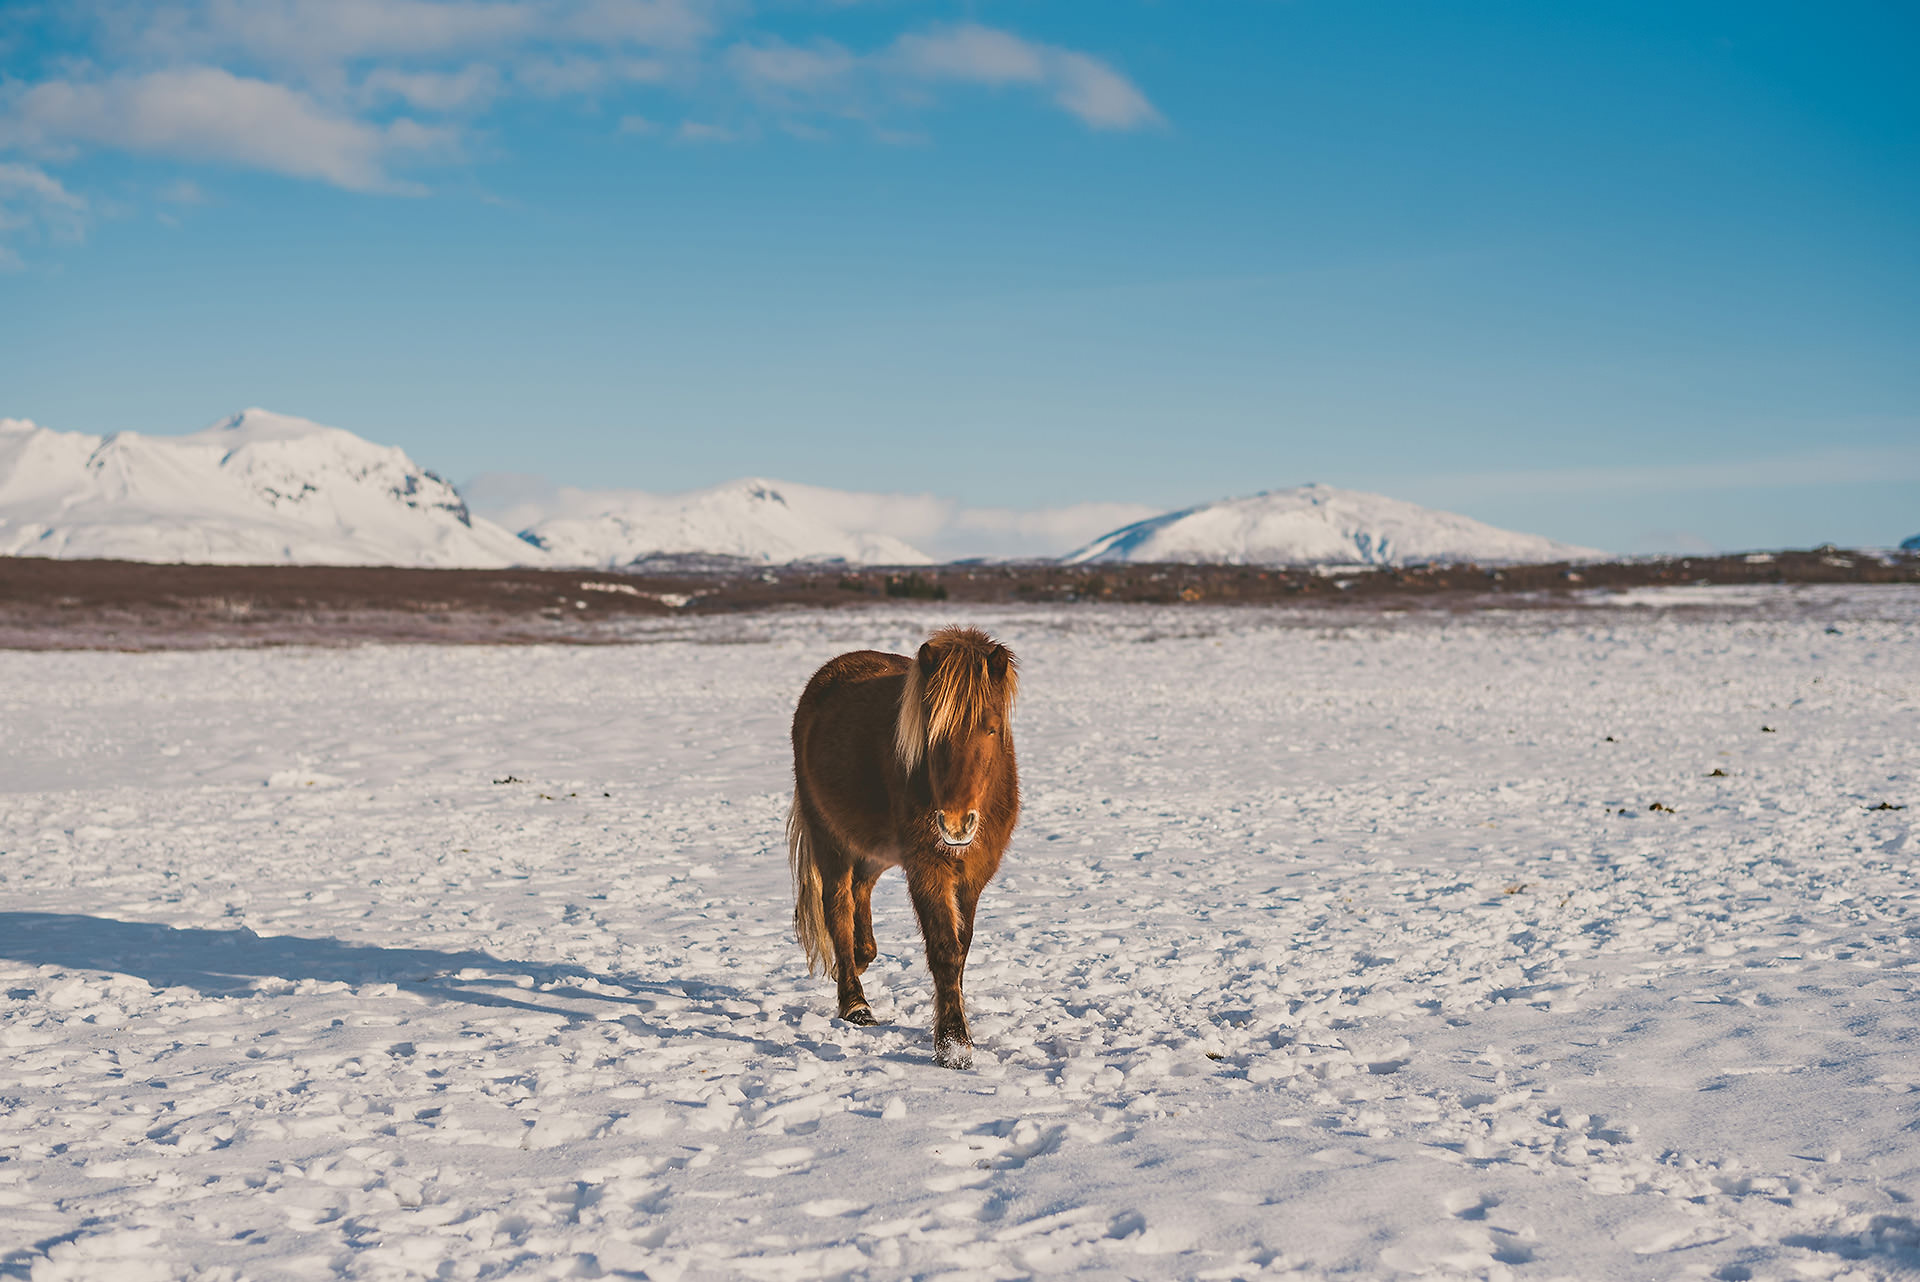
[230, 963]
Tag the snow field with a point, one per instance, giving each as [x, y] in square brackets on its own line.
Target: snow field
[1329, 946]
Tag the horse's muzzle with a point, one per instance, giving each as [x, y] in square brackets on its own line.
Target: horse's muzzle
[968, 828]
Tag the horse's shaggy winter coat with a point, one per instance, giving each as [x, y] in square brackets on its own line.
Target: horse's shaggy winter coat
[909, 763]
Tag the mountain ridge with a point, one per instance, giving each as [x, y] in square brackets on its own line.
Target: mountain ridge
[254, 488]
[750, 518]
[259, 487]
[1308, 525]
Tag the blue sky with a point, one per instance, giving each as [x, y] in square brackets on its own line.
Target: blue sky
[1635, 276]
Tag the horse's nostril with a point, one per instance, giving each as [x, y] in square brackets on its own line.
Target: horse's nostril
[958, 833]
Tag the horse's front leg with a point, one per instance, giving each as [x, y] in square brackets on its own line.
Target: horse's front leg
[864, 947]
[837, 900]
[944, 903]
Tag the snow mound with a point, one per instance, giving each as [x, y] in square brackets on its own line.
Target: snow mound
[752, 519]
[256, 488]
[1320, 525]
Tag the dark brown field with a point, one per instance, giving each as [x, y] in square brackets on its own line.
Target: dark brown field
[58, 605]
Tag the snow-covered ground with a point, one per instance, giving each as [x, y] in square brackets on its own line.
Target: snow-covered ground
[1330, 946]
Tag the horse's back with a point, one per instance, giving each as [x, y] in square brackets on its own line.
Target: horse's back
[863, 681]
[843, 735]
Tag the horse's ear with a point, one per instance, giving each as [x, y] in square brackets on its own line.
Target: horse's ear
[929, 658]
[997, 660]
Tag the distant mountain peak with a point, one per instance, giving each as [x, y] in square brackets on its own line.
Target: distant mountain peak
[260, 487]
[750, 519]
[1319, 525]
[763, 491]
[254, 488]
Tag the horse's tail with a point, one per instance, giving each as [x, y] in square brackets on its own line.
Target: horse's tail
[809, 917]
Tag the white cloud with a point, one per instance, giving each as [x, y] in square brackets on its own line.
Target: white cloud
[783, 66]
[981, 55]
[183, 191]
[471, 86]
[317, 40]
[34, 201]
[1088, 88]
[205, 113]
[317, 34]
[1081, 84]
[1099, 95]
[27, 183]
[1068, 526]
[585, 74]
[1030, 532]
[352, 92]
[659, 24]
[697, 131]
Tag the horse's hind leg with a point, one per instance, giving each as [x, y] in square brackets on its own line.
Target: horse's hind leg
[838, 901]
[864, 947]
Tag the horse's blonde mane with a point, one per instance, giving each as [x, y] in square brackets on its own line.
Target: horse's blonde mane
[959, 692]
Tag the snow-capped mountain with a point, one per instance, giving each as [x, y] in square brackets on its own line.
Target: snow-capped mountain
[1320, 525]
[263, 488]
[256, 488]
[752, 519]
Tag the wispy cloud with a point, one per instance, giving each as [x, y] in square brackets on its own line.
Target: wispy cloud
[35, 202]
[315, 36]
[968, 54]
[1016, 532]
[183, 191]
[31, 186]
[779, 66]
[700, 131]
[586, 76]
[206, 113]
[1098, 94]
[1084, 85]
[971, 52]
[660, 24]
[472, 86]
[361, 94]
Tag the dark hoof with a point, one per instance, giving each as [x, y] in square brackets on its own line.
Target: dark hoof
[953, 1054]
[860, 1015]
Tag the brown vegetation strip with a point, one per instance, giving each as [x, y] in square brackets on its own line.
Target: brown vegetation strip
[48, 604]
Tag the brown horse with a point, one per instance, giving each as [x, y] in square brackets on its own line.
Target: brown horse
[906, 762]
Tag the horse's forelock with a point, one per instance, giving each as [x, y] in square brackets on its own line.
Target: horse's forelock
[972, 677]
